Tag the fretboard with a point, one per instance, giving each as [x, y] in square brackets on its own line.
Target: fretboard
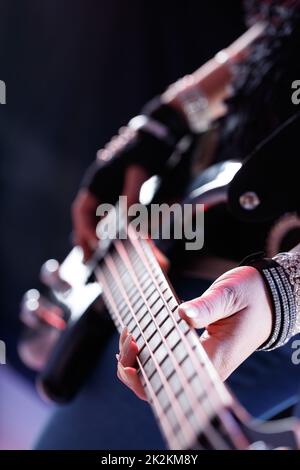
[191, 404]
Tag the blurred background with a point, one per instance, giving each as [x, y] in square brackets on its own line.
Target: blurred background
[75, 71]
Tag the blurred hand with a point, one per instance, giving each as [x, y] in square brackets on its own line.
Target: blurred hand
[85, 205]
[236, 313]
[84, 222]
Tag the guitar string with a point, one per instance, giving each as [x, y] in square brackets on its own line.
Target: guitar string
[217, 385]
[210, 432]
[219, 390]
[162, 417]
[179, 413]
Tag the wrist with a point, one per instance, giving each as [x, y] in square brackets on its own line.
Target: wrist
[282, 298]
[290, 263]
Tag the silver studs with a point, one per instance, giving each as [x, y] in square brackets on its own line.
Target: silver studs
[249, 200]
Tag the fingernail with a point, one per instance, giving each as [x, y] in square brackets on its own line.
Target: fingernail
[118, 357]
[127, 344]
[189, 310]
[122, 337]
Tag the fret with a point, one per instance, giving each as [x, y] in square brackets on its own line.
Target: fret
[155, 341]
[145, 281]
[138, 337]
[118, 300]
[133, 296]
[156, 383]
[161, 353]
[193, 377]
[124, 310]
[150, 369]
[153, 299]
[137, 304]
[140, 342]
[152, 296]
[157, 307]
[162, 315]
[173, 338]
[142, 312]
[180, 353]
[149, 291]
[171, 372]
[184, 402]
[121, 303]
[150, 330]
[187, 368]
[145, 320]
[200, 354]
[166, 366]
[175, 383]
[121, 271]
[184, 327]
[145, 357]
[173, 420]
[139, 269]
[129, 322]
[135, 331]
[164, 399]
[132, 293]
[126, 317]
[172, 303]
[167, 326]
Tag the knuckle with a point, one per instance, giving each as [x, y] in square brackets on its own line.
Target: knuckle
[206, 308]
[229, 296]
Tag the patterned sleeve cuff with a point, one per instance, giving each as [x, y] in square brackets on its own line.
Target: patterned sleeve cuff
[290, 262]
[276, 273]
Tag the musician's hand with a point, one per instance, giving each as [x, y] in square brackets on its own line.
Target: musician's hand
[84, 221]
[85, 205]
[236, 314]
[127, 371]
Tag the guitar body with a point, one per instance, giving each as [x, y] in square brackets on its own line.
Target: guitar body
[89, 330]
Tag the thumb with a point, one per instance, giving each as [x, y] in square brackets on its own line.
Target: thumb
[220, 301]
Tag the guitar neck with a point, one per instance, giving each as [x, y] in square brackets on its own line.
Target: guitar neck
[191, 404]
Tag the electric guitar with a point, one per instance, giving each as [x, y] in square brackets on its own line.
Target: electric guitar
[192, 406]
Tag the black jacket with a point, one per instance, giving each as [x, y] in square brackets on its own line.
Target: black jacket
[271, 173]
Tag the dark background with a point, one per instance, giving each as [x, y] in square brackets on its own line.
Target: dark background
[75, 71]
